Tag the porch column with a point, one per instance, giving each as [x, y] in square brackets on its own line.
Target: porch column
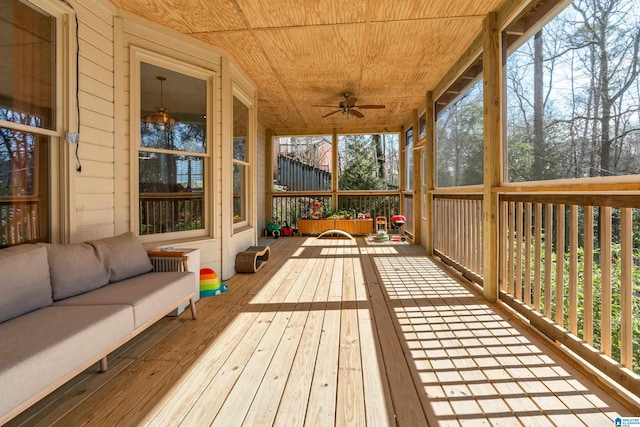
[268, 179]
[417, 183]
[492, 80]
[334, 169]
[430, 171]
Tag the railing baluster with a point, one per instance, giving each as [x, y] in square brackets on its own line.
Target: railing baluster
[527, 254]
[588, 275]
[548, 258]
[573, 269]
[605, 280]
[519, 236]
[626, 288]
[511, 287]
[537, 256]
[560, 230]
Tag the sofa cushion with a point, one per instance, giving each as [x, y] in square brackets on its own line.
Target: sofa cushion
[25, 284]
[49, 344]
[124, 255]
[151, 295]
[75, 269]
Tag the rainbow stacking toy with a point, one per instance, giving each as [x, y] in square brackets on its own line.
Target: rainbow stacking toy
[210, 283]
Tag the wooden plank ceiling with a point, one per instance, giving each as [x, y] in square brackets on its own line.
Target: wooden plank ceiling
[301, 53]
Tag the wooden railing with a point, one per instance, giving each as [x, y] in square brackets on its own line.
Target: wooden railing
[169, 212]
[457, 232]
[374, 204]
[291, 207]
[570, 264]
[287, 207]
[20, 221]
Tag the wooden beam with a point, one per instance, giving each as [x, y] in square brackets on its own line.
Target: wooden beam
[492, 80]
[431, 167]
[417, 182]
[268, 179]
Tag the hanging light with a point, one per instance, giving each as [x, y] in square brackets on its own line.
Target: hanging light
[161, 116]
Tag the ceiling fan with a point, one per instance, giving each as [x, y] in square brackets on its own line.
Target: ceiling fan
[349, 107]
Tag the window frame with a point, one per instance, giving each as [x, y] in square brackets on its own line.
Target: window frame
[60, 215]
[137, 56]
[249, 162]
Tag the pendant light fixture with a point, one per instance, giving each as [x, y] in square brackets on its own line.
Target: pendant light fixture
[161, 116]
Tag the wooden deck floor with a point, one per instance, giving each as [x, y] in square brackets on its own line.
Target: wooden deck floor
[334, 332]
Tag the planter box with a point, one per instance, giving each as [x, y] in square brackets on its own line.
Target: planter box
[315, 226]
[351, 226]
[355, 226]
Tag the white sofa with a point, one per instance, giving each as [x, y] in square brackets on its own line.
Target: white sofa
[66, 307]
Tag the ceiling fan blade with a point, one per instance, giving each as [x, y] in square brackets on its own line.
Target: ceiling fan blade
[370, 106]
[322, 105]
[357, 113]
[350, 102]
[331, 113]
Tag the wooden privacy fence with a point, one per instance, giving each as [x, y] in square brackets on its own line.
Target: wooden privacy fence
[457, 232]
[298, 176]
[572, 260]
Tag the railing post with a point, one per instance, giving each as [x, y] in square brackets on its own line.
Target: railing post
[492, 80]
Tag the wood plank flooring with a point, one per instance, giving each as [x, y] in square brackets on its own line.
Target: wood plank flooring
[334, 332]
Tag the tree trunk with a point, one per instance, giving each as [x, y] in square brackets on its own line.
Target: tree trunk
[538, 109]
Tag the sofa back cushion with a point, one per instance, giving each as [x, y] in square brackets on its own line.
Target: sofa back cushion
[124, 256]
[75, 269]
[25, 285]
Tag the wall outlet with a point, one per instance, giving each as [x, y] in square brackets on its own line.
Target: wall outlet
[73, 137]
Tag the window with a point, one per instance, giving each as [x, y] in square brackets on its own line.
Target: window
[408, 159]
[422, 126]
[368, 162]
[573, 93]
[459, 140]
[302, 163]
[173, 155]
[29, 121]
[241, 163]
[423, 183]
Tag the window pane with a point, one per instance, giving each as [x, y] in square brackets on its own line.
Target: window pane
[459, 141]
[240, 129]
[408, 160]
[239, 193]
[303, 163]
[170, 173]
[408, 214]
[573, 95]
[173, 110]
[171, 193]
[422, 124]
[27, 65]
[368, 162]
[24, 188]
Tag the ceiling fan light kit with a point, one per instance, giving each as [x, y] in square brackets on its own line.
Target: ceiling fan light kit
[161, 116]
[348, 107]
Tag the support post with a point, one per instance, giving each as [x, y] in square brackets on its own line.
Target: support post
[417, 183]
[431, 168]
[334, 169]
[493, 131]
[268, 179]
